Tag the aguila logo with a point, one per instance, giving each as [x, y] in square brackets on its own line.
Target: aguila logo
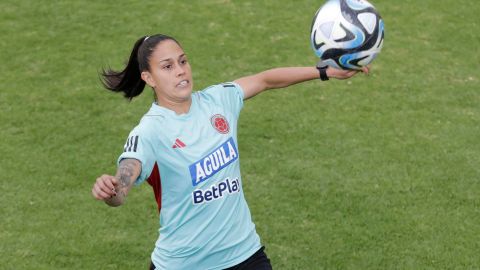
[220, 123]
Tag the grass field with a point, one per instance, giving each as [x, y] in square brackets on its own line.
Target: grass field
[378, 172]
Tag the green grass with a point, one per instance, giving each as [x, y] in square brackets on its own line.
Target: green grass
[378, 172]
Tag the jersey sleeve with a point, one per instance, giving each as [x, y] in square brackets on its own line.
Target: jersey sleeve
[230, 94]
[139, 146]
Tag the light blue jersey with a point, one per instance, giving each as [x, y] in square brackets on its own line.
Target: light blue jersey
[192, 162]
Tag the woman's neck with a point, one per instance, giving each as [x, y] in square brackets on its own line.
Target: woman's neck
[179, 107]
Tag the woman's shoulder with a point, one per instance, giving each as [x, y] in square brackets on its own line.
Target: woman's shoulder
[149, 122]
[220, 91]
[219, 87]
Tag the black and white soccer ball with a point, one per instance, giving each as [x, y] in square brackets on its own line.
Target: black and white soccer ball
[347, 34]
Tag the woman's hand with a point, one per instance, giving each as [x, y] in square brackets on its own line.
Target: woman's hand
[345, 74]
[104, 187]
[114, 189]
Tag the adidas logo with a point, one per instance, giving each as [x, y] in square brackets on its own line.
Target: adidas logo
[178, 144]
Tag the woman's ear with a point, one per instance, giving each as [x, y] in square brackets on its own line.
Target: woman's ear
[147, 77]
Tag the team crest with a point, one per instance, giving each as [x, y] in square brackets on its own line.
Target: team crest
[220, 123]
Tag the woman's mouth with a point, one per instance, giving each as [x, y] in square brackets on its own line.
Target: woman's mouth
[182, 83]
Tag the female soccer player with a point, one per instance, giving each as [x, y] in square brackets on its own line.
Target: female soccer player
[186, 148]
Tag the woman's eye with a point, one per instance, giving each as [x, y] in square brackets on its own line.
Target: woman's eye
[183, 62]
[167, 67]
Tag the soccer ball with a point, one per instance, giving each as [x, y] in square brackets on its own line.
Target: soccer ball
[347, 34]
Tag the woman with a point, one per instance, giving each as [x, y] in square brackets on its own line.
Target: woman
[185, 147]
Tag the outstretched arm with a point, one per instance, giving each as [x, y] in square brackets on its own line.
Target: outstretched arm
[114, 189]
[286, 76]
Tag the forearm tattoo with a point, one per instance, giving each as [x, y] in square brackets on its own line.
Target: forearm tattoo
[126, 171]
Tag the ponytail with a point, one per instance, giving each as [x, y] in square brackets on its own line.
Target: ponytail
[129, 80]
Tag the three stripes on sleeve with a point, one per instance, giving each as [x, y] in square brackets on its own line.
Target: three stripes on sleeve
[131, 144]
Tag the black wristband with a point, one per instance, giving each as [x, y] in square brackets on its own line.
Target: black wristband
[323, 73]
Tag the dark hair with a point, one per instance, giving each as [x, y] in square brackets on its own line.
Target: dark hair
[129, 80]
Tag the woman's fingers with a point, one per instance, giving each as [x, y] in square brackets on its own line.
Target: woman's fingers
[100, 194]
[104, 187]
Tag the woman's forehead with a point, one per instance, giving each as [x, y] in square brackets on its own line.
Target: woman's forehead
[167, 49]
